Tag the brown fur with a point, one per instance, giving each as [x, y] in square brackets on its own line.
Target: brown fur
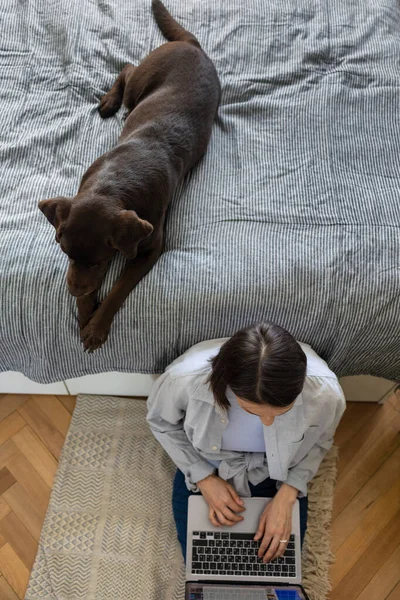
[172, 99]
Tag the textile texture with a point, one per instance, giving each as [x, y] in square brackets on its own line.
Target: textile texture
[291, 216]
[109, 530]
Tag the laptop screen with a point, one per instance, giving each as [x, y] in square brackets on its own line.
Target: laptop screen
[288, 594]
[206, 591]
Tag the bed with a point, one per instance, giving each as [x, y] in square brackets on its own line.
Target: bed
[292, 215]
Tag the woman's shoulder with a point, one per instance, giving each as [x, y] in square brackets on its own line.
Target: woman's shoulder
[316, 366]
[321, 387]
[196, 359]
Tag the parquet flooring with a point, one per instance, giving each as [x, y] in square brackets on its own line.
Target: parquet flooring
[366, 514]
[32, 432]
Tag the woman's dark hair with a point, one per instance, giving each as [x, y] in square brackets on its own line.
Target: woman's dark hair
[262, 363]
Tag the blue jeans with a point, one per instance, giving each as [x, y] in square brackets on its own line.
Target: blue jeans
[180, 497]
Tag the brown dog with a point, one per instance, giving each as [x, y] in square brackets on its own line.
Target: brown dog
[172, 98]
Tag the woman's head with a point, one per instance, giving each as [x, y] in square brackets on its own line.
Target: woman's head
[265, 368]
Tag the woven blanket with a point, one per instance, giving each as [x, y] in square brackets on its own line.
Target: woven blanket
[291, 216]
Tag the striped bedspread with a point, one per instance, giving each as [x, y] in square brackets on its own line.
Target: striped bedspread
[292, 215]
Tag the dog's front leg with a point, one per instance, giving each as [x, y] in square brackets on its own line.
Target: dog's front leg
[87, 306]
[96, 331]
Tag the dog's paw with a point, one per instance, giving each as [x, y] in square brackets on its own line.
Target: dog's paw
[109, 105]
[93, 336]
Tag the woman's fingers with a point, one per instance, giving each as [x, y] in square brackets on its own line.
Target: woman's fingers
[282, 545]
[264, 544]
[238, 502]
[260, 531]
[222, 519]
[223, 515]
[272, 548]
[231, 515]
[213, 518]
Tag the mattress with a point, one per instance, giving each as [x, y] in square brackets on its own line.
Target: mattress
[291, 216]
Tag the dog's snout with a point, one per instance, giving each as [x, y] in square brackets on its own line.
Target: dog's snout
[82, 282]
[79, 292]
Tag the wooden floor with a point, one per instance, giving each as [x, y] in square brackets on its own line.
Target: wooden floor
[366, 524]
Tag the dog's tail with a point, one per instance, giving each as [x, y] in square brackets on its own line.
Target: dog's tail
[169, 27]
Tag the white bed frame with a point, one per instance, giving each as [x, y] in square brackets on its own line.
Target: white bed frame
[359, 389]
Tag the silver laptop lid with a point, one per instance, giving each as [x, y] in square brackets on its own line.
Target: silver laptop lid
[235, 548]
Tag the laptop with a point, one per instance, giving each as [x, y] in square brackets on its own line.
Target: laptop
[222, 562]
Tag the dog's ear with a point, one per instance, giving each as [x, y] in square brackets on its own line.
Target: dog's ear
[129, 230]
[56, 210]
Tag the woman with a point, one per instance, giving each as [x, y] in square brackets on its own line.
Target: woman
[252, 415]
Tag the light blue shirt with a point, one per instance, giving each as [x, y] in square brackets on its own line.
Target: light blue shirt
[245, 432]
[187, 422]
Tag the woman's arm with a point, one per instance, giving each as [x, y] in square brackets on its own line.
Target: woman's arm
[276, 521]
[302, 473]
[275, 524]
[167, 405]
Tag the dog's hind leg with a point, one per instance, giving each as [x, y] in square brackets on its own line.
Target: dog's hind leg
[111, 102]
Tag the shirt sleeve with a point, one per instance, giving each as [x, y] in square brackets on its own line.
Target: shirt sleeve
[301, 474]
[166, 405]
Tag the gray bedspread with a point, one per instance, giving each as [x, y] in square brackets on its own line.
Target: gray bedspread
[292, 215]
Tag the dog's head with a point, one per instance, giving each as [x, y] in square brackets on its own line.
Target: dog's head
[90, 233]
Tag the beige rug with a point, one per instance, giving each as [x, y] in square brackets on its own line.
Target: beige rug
[109, 532]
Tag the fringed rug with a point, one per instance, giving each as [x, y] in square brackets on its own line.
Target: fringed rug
[109, 532]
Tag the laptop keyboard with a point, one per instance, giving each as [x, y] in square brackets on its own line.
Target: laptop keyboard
[225, 553]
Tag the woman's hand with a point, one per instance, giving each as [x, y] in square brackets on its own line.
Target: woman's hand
[222, 499]
[276, 524]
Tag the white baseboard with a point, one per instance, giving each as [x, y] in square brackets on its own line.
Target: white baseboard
[12, 382]
[363, 388]
[113, 384]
